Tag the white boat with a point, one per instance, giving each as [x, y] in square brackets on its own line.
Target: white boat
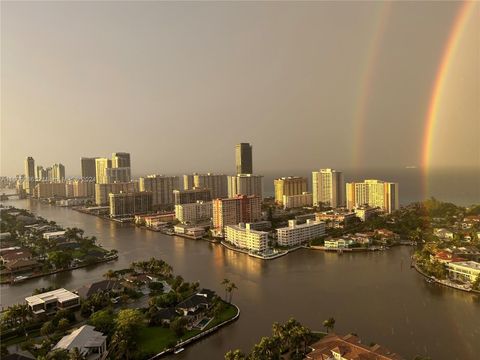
[179, 350]
[19, 278]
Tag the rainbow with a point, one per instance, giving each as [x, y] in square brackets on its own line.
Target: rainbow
[366, 80]
[451, 45]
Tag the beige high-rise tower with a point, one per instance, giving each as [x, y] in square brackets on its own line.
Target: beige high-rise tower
[328, 188]
[374, 193]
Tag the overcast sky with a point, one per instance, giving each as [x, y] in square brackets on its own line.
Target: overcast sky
[178, 84]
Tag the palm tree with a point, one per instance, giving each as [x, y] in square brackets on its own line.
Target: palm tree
[226, 283]
[230, 289]
[329, 324]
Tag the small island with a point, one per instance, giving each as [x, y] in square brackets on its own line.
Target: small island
[32, 246]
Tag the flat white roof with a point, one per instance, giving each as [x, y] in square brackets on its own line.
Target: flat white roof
[468, 264]
[60, 295]
[54, 233]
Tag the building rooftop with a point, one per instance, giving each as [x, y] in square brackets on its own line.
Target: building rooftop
[468, 264]
[82, 338]
[348, 347]
[60, 295]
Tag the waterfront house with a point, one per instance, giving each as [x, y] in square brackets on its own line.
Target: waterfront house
[194, 307]
[445, 257]
[348, 347]
[18, 266]
[52, 301]
[54, 235]
[90, 343]
[443, 233]
[466, 271]
[15, 254]
[338, 243]
[100, 287]
[164, 316]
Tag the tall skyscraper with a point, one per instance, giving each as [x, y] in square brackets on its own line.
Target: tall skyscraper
[120, 159]
[58, 172]
[41, 173]
[328, 188]
[29, 182]
[88, 168]
[187, 182]
[243, 158]
[245, 184]
[101, 166]
[374, 193]
[292, 185]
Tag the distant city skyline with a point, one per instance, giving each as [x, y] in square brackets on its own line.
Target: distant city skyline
[322, 84]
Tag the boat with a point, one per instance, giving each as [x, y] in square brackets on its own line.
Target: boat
[430, 280]
[179, 350]
[19, 278]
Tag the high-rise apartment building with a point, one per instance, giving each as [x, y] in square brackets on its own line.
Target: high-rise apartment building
[216, 183]
[129, 204]
[88, 168]
[297, 201]
[245, 184]
[49, 189]
[41, 173]
[58, 173]
[235, 210]
[374, 193]
[121, 160]
[243, 158]
[29, 182]
[103, 190]
[287, 186]
[328, 188]
[84, 187]
[101, 166]
[187, 182]
[120, 174]
[194, 212]
[162, 188]
[191, 196]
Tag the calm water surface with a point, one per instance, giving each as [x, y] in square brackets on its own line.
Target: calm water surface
[375, 295]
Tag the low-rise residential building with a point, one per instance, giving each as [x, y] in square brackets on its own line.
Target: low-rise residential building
[338, 243]
[336, 218]
[15, 254]
[443, 233]
[365, 212]
[193, 213]
[244, 237]
[295, 234]
[103, 286]
[467, 271]
[54, 235]
[297, 201]
[445, 257]
[90, 343]
[194, 231]
[348, 347]
[19, 266]
[52, 301]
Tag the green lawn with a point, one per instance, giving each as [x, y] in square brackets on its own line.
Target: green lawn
[155, 339]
